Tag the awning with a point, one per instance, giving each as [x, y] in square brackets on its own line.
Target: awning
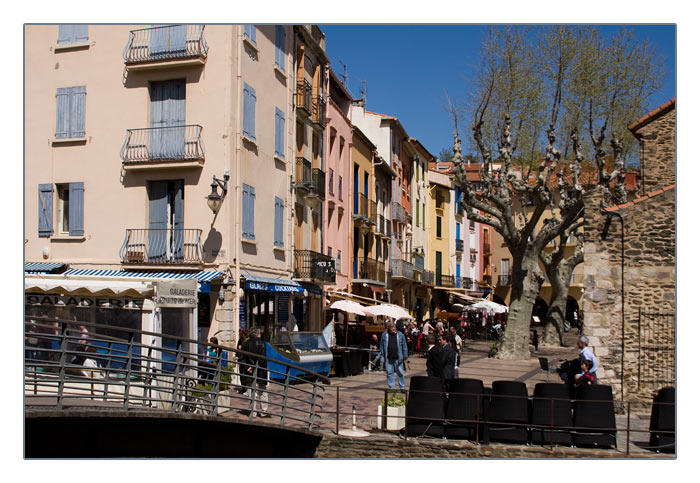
[204, 277]
[265, 284]
[43, 267]
[89, 287]
[464, 297]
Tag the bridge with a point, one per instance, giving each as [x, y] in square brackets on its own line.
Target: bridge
[94, 390]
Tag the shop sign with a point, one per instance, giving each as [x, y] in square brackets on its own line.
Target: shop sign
[181, 294]
[271, 287]
[84, 302]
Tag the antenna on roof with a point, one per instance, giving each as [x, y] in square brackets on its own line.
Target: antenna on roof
[345, 73]
[363, 93]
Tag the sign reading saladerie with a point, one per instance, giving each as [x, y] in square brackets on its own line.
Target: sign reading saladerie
[180, 294]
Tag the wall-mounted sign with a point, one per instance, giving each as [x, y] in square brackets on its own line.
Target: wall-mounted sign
[181, 294]
[272, 287]
[83, 302]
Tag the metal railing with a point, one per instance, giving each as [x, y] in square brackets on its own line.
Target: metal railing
[656, 354]
[310, 265]
[162, 246]
[318, 115]
[446, 280]
[363, 207]
[401, 268]
[427, 277]
[304, 95]
[398, 212]
[121, 369]
[459, 245]
[370, 269]
[383, 226]
[318, 182]
[176, 143]
[168, 42]
[504, 280]
[303, 177]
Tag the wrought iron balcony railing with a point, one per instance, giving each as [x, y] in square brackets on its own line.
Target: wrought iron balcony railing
[303, 177]
[175, 143]
[369, 269]
[427, 277]
[398, 212]
[418, 261]
[318, 182]
[168, 42]
[319, 111]
[364, 208]
[446, 280]
[504, 280]
[162, 246]
[314, 266]
[401, 268]
[383, 226]
[459, 245]
[304, 95]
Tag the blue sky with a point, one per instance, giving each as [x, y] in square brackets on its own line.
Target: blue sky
[408, 69]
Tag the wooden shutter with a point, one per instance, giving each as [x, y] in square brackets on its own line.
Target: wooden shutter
[65, 34]
[63, 101]
[280, 42]
[250, 32]
[279, 222]
[159, 40]
[249, 112]
[157, 219]
[279, 133]
[248, 212]
[178, 188]
[77, 112]
[45, 210]
[81, 33]
[76, 209]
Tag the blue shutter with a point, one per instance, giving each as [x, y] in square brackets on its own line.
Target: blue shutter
[63, 98]
[458, 231]
[176, 119]
[65, 34]
[157, 220]
[279, 133]
[250, 32]
[252, 112]
[280, 42]
[45, 209]
[279, 222]
[248, 112]
[179, 220]
[77, 112]
[283, 308]
[81, 33]
[248, 212]
[76, 209]
[159, 40]
[178, 38]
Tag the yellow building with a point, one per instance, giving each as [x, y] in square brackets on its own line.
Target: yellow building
[439, 209]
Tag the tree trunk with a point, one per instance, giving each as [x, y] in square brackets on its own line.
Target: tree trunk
[527, 279]
[553, 333]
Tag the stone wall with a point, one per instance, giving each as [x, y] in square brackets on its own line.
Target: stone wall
[657, 146]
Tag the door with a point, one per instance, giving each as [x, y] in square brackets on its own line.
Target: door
[438, 268]
[355, 183]
[165, 220]
[167, 120]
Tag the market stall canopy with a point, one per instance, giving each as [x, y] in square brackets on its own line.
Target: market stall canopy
[388, 310]
[349, 306]
[88, 287]
[489, 307]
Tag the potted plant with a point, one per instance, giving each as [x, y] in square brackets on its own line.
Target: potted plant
[395, 418]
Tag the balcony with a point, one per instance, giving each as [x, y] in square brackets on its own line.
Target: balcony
[304, 96]
[318, 115]
[180, 146]
[427, 277]
[446, 281]
[459, 245]
[165, 46]
[383, 227]
[303, 174]
[162, 247]
[504, 280]
[364, 209]
[401, 269]
[369, 269]
[313, 266]
[318, 183]
[398, 212]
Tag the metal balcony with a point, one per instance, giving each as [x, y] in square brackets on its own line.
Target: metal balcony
[318, 183]
[165, 43]
[446, 281]
[459, 245]
[369, 269]
[318, 115]
[313, 266]
[162, 246]
[303, 174]
[364, 209]
[398, 212]
[163, 144]
[304, 96]
[383, 227]
[504, 280]
[428, 277]
[401, 269]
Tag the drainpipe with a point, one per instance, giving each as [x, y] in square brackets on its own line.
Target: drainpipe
[622, 282]
[237, 190]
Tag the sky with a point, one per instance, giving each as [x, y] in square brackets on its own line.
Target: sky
[409, 68]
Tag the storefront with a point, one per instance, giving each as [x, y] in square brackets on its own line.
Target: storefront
[269, 303]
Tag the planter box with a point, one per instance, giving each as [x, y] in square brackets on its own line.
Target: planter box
[395, 421]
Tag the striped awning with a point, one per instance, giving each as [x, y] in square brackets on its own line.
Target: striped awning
[203, 276]
[42, 267]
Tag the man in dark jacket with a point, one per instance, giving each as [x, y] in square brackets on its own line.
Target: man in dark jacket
[448, 360]
[255, 369]
[433, 362]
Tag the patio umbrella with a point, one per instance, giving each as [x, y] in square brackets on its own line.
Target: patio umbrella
[388, 310]
[490, 307]
[350, 307]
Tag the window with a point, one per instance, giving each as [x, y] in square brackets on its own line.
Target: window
[69, 212]
[330, 180]
[248, 112]
[249, 31]
[337, 262]
[330, 252]
[423, 214]
[340, 188]
[438, 226]
[459, 234]
[279, 222]
[167, 136]
[279, 133]
[70, 112]
[248, 206]
[280, 42]
[471, 225]
[72, 34]
[166, 220]
[417, 212]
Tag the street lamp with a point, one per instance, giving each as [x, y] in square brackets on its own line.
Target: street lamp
[215, 200]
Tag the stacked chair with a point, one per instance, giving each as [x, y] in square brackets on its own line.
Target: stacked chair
[551, 407]
[425, 408]
[594, 416]
[663, 421]
[465, 397]
[509, 410]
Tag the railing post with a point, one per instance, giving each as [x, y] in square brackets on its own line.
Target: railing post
[215, 386]
[478, 417]
[62, 364]
[312, 414]
[254, 386]
[176, 380]
[127, 378]
[286, 394]
[337, 410]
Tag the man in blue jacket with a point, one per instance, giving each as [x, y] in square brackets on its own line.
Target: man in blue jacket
[393, 350]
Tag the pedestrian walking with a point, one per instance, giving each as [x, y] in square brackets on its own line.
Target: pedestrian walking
[255, 369]
[393, 351]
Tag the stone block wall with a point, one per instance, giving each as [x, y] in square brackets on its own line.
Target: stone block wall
[657, 146]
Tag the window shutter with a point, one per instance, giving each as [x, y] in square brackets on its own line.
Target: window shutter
[279, 222]
[279, 133]
[458, 231]
[77, 112]
[65, 34]
[179, 218]
[280, 37]
[45, 210]
[157, 219]
[76, 209]
[249, 112]
[80, 33]
[252, 113]
[63, 98]
[250, 32]
[248, 212]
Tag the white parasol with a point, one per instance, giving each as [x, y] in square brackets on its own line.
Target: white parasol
[349, 306]
[489, 307]
[388, 310]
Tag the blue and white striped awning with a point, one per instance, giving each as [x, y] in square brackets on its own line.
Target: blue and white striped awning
[42, 267]
[204, 277]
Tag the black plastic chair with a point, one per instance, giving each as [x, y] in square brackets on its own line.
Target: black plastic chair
[663, 418]
[509, 407]
[462, 404]
[594, 416]
[551, 407]
[426, 399]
